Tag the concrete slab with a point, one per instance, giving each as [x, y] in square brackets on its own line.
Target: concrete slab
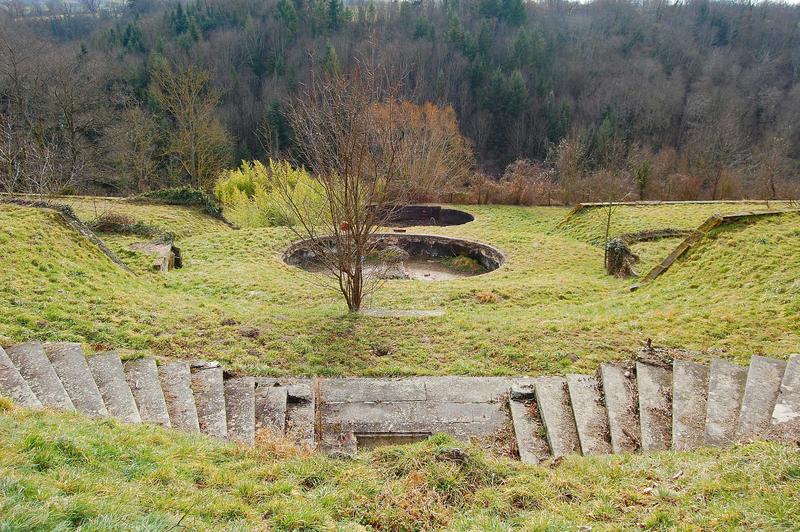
[468, 389]
[725, 390]
[529, 431]
[591, 417]
[787, 408]
[240, 409]
[209, 397]
[143, 380]
[556, 412]
[70, 365]
[371, 390]
[13, 385]
[654, 385]
[176, 382]
[689, 399]
[760, 395]
[109, 375]
[619, 391]
[270, 408]
[34, 366]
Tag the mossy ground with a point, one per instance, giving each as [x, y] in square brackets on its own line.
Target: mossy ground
[553, 308]
[64, 472]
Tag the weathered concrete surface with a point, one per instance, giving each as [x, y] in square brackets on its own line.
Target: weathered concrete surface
[760, 395]
[689, 399]
[619, 390]
[300, 407]
[209, 396]
[109, 375]
[591, 418]
[655, 406]
[400, 313]
[70, 365]
[529, 431]
[556, 412]
[787, 408]
[34, 366]
[13, 385]
[725, 390]
[240, 409]
[176, 382]
[359, 408]
[270, 408]
[143, 380]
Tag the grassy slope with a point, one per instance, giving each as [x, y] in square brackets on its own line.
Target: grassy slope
[588, 225]
[63, 471]
[557, 310]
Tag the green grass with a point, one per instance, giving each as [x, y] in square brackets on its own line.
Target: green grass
[552, 310]
[588, 225]
[62, 471]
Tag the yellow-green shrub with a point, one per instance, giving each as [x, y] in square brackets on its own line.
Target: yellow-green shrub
[252, 195]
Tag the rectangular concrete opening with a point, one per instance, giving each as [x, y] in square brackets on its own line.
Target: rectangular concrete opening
[370, 440]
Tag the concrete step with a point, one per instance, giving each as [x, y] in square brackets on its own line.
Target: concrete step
[70, 365]
[556, 412]
[142, 378]
[760, 395]
[209, 397]
[689, 399]
[591, 417]
[725, 390]
[109, 375]
[34, 366]
[619, 391]
[655, 406]
[240, 409]
[270, 408]
[13, 385]
[786, 414]
[528, 427]
[176, 383]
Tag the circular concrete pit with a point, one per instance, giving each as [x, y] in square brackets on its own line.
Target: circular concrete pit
[421, 215]
[407, 256]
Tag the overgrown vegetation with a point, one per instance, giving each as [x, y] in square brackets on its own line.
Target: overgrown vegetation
[183, 196]
[64, 471]
[251, 197]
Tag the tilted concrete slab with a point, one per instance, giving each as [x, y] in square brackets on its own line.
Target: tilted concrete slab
[71, 367]
[13, 385]
[725, 390]
[591, 417]
[209, 396]
[556, 411]
[240, 409]
[619, 390]
[143, 380]
[786, 414]
[689, 399]
[109, 375]
[176, 382]
[34, 366]
[654, 384]
[760, 395]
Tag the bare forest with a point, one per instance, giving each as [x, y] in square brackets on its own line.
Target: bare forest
[529, 102]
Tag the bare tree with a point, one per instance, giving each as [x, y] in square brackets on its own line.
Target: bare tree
[355, 154]
[198, 141]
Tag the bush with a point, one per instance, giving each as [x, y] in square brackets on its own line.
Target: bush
[112, 222]
[251, 194]
[183, 196]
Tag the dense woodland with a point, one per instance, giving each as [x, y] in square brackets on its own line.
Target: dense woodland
[560, 101]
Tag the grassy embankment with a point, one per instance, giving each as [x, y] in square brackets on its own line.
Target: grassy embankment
[551, 308]
[63, 471]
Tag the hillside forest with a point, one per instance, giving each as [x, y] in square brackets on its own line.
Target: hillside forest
[535, 102]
